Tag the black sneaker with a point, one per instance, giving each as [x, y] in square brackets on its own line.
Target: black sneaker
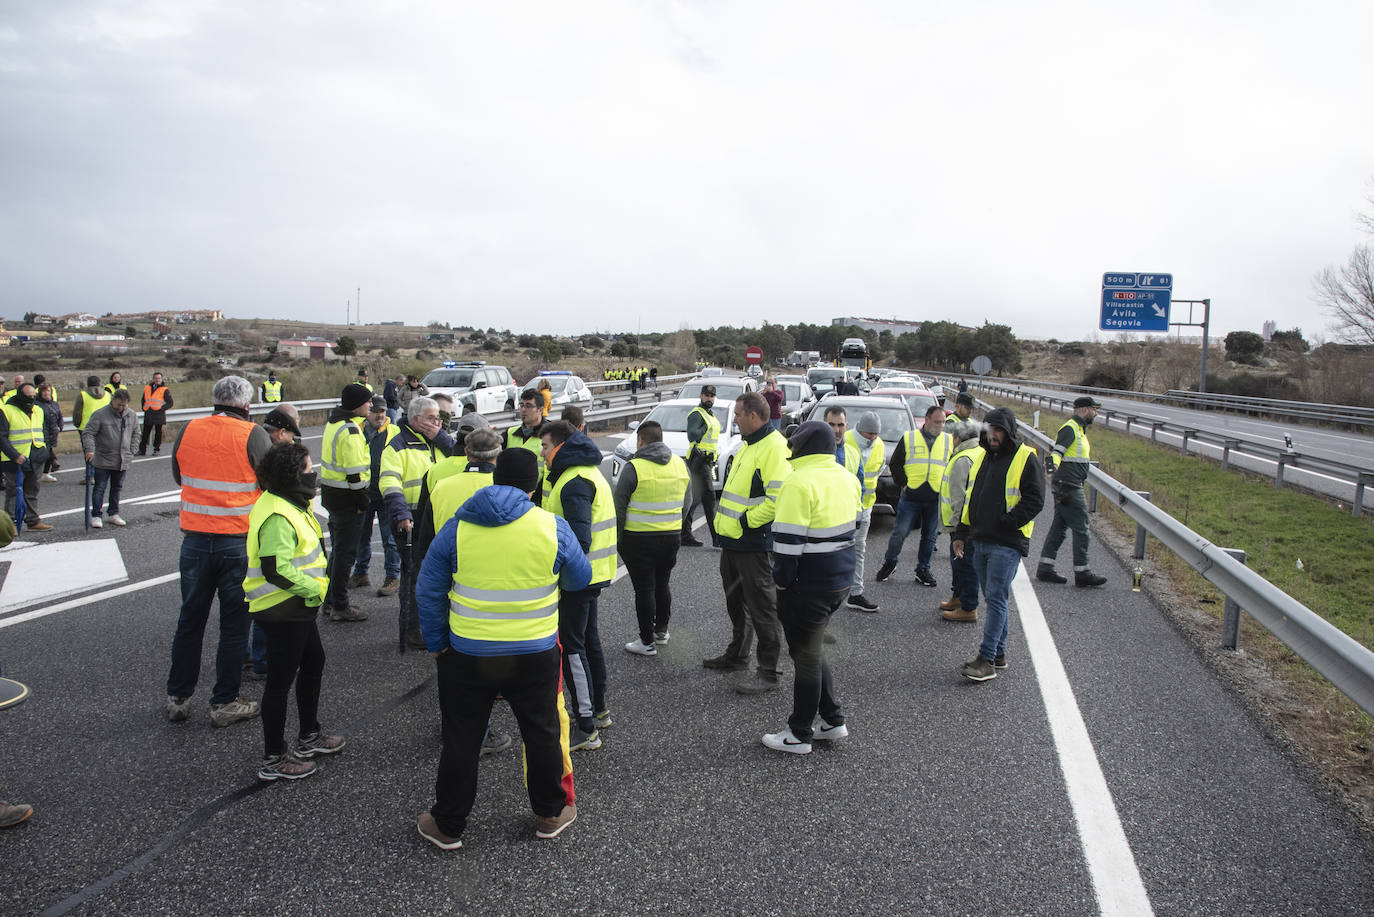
[979, 669]
[1047, 575]
[690, 542]
[496, 741]
[925, 577]
[725, 663]
[1087, 578]
[1000, 662]
[759, 684]
[285, 767]
[886, 570]
[861, 603]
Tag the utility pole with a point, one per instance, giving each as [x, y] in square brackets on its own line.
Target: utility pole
[358, 313]
[348, 304]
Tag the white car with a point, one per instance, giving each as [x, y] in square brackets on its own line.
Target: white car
[728, 388]
[672, 414]
[564, 387]
[489, 389]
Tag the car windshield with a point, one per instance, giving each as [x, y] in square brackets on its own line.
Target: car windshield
[673, 417]
[918, 402]
[725, 391]
[791, 391]
[828, 374]
[448, 378]
[557, 384]
[893, 421]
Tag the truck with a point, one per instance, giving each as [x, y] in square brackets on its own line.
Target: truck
[854, 352]
[803, 358]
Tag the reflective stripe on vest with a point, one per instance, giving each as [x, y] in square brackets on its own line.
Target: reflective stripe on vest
[344, 451]
[218, 486]
[154, 399]
[872, 466]
[271, 391]
[449, 495]
[309, 558]
[709, 440]
[1011, 487]
[601, 552]
[768, 457]
[26, 430]
[504, 589]
[818, 507]
[1080, 449]
[926, 466]
[404, 461]
[89, 405]
[656, 504]
[953, 472]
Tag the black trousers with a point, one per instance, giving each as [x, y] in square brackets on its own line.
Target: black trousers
[294, 653]
[650, 559]
[804, 616]
[345, 527]
[752, 603]
[31, 475]
[155, 429]
[468, 686]
[699, 493]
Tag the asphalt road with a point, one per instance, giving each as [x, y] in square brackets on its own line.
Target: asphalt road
[1108, 770]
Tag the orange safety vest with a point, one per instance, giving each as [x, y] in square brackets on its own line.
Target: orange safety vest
[154, 398]
[218, 485]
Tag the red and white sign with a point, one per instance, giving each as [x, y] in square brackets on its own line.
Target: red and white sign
[753, 356]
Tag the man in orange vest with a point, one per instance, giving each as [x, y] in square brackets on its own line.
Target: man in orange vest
[213, 461]
[157, 398]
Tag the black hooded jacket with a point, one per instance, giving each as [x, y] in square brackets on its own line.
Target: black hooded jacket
[989, 519]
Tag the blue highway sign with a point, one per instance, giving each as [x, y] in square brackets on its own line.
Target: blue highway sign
[1135, 302]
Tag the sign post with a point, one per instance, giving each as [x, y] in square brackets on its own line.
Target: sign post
[1136, 302]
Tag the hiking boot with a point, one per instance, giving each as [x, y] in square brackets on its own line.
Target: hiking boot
[1000, 662]
[351, 613]
[495, 741]
[550, 826]
[317, 743]
[39, 527]
[886, 570]
[12, 813]
[640, 648]
[1087, 578]
[950, 604]
[359, 581]
[390, 587]
[583, 741]
[251, 674]
[828, 733]
[178, 708]
[603, 719]
[235, 711]
[786, 741]
[96, 523]
[661, 637]
[861, 603]
[429, 830]
[1045, 573]
[117, 519]
[285, 767]
[963, 615]
[726, 663]
[925, 577]
[979, 669]
[759, 684]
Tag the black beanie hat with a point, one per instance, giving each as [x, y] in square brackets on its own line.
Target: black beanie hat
[812, 438]
[354, 395]
[518, 468]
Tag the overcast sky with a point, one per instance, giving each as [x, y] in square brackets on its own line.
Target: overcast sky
[573, 166]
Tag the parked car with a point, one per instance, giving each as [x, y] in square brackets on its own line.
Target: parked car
[672, 414]
[918, 401]
[728, 388]
[565, 387]
[894, 420]
[489, 389]
[797, 398]
[711, 371]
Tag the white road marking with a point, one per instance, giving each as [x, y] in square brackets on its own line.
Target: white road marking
[88, 600]
[45, 572]
[166, 496]
[1116, 879]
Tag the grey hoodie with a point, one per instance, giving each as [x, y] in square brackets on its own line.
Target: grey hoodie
[659, 454]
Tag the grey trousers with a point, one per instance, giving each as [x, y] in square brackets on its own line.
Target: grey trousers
[752, 603]
[860, 544]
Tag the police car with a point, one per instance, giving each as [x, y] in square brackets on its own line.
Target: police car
[489, 389]
[672, 414]
[565, 387]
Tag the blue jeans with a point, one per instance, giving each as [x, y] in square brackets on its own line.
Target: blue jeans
[105, 477]
[911, 513]
[391, 557]
[996, 566]
[210, 564]
[964, 578]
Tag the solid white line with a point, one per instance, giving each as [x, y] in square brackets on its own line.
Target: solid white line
[1116, 879]
[123, 501]
[88, 600]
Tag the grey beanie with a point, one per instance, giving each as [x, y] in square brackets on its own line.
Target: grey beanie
[869, 423]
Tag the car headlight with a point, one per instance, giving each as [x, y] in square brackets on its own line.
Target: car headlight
[624, 452]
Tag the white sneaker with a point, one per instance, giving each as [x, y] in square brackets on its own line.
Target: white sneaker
[785, 741]
[95, 522]
[661, 637]
[828, 733]
[117, 519]
[640, 649]
[49, 478]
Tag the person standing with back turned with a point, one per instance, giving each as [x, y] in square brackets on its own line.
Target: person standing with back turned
[345, 471]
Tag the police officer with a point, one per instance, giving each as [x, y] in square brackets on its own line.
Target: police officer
[345, 470]
[819, 505]
[1069, 464]
[487, 595]
[963, 410]
[703, 434]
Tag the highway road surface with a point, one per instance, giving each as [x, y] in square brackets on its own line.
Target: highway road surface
[1107, 771]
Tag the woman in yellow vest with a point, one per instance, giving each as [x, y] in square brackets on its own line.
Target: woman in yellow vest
[285, 586]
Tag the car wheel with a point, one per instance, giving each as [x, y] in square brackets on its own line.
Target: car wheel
[510, 405]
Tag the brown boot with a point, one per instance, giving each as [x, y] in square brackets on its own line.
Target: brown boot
[950, 603]
[962, 615]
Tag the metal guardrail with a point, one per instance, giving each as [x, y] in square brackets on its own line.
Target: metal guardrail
[1359, 477]
[1338, 657]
